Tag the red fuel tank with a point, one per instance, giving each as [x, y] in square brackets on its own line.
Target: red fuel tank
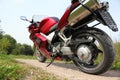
[46, 24]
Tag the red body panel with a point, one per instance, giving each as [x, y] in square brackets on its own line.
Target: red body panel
[46, 24]
[43, 45]
[63, 21]
[43, 41]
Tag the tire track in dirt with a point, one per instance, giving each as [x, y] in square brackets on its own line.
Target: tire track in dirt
[70, 71]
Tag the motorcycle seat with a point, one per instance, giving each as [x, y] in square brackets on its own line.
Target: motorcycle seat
[56, 19]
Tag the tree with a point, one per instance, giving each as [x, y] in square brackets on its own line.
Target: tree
[8, 45]
[23, 49]
[12, 43]
[4, 44]
[26, 49]
[17, 49]
[1, 33]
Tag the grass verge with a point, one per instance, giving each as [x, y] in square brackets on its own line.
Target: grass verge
[116, 64]
[13, 70]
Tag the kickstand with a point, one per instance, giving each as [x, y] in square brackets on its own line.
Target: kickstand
[51, 61]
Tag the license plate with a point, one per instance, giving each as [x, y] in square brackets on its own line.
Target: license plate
[108, 20]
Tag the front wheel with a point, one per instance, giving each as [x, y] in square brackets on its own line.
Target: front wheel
[95, 54]
[40, 57]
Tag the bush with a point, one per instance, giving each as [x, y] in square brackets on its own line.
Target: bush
[9, 72]
[9, 69]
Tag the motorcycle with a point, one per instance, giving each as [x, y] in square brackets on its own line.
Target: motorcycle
[72, 39]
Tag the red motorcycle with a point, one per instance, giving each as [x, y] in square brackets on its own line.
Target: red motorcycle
[72, 39]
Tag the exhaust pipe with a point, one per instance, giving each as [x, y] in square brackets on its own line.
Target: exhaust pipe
[81, 12]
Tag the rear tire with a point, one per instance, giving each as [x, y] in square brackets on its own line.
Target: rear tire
[108, 51]
[40, 57]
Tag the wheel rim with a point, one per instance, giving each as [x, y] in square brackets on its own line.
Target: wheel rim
[96, 60]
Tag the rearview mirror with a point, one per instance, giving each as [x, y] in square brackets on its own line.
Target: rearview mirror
[23, 18]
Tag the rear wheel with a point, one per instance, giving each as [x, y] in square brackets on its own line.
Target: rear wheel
[96, 53]
[40, 57]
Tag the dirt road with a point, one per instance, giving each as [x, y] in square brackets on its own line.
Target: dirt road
[70, 71]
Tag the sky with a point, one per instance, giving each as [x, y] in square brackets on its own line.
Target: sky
[11, 10]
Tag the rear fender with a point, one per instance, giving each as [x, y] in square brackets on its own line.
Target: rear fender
[104, 17]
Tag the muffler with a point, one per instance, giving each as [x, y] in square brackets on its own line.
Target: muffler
[80, 12]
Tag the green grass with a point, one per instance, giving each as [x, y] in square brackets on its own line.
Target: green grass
[9, 69]
[13, 70]
[10, 72]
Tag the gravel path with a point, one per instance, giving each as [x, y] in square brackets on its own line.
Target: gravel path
[70, 71]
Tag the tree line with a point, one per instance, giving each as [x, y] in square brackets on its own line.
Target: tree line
[8, 45]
